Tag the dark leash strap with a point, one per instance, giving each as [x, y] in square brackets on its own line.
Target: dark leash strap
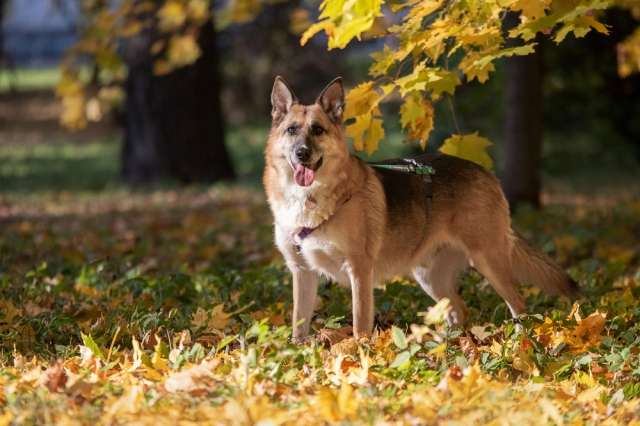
[413, 166]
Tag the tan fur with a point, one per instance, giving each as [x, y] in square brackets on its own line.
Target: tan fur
[358, 242]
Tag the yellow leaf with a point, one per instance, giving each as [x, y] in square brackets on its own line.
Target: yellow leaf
[523, 361]
[416, 116]
[158, 361]
[73, 112]
[480, 331]
[580, 26]
[439, 351]
[198, 10]
[357, 129]
[437, 314]
[171, 16]
[374, 135]
[383, 60]
[213, 322]
[629, 55]
[183, 50]
[366, 132]
[531, 9]
[361, 100]
[589, 330]
[470, 147]
[474, 69]
[351, 19]
[219, 318]
[326, 25]
[194, 379]
[575, 311]
[435, 80]
[336, 407]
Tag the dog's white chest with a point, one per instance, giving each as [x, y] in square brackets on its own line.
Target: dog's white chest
[304, 207]
[323, 256]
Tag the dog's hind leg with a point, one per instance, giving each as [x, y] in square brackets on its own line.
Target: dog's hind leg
[439, 279]
[496, 268]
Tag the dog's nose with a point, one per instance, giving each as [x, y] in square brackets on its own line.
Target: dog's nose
[303, 153]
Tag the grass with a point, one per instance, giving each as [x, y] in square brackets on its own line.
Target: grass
[26, 79]
[169, 305]
[63, 166]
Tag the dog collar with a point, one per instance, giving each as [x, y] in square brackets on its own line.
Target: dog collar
[305, 232]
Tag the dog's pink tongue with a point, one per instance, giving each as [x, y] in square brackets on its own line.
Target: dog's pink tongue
[303, 175]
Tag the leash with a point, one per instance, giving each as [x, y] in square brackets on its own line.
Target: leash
[413, 166]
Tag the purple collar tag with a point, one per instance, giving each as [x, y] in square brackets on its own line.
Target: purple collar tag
[305, 232]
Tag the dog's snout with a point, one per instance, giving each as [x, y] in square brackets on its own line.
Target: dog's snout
[303, 153]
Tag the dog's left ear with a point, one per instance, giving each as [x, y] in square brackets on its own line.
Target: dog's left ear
[282, 99]
[331, 99]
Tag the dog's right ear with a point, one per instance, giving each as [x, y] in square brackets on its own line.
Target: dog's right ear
[282, 99]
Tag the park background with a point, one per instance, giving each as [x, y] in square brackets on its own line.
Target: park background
[138, 273]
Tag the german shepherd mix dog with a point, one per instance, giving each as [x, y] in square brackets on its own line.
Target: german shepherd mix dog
[337, 216]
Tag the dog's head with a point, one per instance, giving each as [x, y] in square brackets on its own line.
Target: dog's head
[308, 138]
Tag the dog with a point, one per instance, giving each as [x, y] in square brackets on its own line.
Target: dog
[337, 216]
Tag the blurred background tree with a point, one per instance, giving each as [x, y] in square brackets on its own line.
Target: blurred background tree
[187, 83]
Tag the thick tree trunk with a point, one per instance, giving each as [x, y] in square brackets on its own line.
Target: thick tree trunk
[523, 129]
[174, 125]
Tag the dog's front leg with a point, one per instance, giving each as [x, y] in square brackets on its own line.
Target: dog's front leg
[305, 290]
[305, 283]
[361, 276]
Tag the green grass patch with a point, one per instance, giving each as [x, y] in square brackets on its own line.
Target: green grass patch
[26, 79]
[59, 166]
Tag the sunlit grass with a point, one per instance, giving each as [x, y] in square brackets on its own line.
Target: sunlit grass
[24, 79]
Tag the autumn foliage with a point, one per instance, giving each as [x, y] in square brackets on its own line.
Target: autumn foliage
[174, 308]
[430, 47]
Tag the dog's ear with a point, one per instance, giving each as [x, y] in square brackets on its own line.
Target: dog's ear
[331, 99]
[282, 98]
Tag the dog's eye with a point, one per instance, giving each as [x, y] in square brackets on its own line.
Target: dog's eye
[292, 130]
[317, 130]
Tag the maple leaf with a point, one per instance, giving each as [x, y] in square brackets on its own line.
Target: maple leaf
[366, 131]
[591, 327]
[382, 61]
[54, 377]
[196, 379]
[213, 321]
[325, 25]
[470, 147]
[416, 115]
[531, 9]
[361, 100]
[580, 26]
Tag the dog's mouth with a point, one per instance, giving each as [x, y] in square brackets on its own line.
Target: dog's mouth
[304, 173]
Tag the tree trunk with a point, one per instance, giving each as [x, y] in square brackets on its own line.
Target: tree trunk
[523, 129]
[174, 126]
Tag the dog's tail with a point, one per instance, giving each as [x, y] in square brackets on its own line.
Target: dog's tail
[531, 266]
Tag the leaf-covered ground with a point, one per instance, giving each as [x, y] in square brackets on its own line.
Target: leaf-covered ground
[172, 307]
